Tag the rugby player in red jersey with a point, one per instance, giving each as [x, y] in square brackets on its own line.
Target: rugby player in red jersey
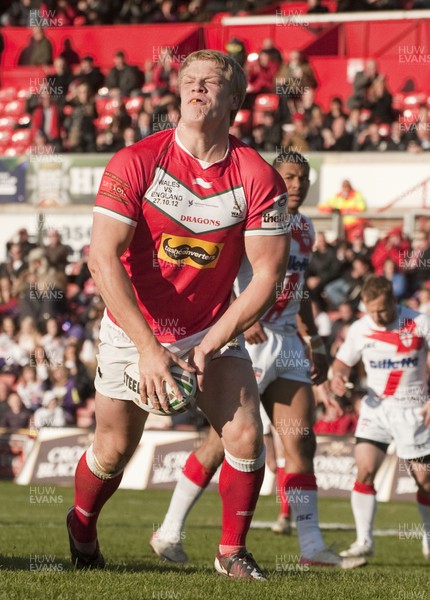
[393, 342]
[174, 215]
[285, 375]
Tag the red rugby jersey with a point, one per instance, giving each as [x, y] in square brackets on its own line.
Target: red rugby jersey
[190, 223]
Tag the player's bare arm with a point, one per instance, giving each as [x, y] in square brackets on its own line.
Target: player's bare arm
[268, 256]
[254, 334]
[110, 239]
[309, 332]
[341, 373]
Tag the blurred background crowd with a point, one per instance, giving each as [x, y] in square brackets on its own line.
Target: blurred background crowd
[81, 107]
[50, 313]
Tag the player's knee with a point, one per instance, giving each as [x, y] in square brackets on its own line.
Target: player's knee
[114, 459]
[245, 440]
[366, 474]
[100, 465]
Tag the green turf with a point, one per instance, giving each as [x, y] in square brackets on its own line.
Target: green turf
[33, 537]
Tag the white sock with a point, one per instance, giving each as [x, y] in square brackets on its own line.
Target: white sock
[183, 499]
[304, 506]
[364, 509]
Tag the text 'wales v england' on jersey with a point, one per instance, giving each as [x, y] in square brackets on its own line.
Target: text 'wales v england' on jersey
[190, 224]
[394, 357]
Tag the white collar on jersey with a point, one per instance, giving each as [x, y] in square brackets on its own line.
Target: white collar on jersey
[203, 163]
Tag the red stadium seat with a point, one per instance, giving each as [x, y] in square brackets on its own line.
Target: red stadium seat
[243, 117]
[7, 123]
[23, 93]
[412, 100]
[110, 107]
[133, 105]
[100, 105]
[266, 102]
[14, 108]
[24, 120]
[21, 137]
[7, 94]
[148, 88]
[103, 122]
[15, 151]
[5, 136]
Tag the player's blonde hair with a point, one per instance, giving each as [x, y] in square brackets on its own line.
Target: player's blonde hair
[231, 69]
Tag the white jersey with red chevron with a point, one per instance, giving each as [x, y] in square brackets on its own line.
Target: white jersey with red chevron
[394, 357]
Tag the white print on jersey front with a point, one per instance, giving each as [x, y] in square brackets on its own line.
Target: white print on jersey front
[193, 211]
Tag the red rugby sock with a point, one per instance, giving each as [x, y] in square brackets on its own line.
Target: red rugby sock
[91, 494]
[239, 492]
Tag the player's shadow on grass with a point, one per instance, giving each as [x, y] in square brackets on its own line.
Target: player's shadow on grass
[15, 563]
[145, 567]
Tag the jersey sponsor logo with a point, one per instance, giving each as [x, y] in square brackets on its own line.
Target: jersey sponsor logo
[189, 251]
[276, 217]
[388, 363]
[114, 187]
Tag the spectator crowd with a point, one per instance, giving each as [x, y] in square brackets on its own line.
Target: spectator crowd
[50, 314]
[81, 107]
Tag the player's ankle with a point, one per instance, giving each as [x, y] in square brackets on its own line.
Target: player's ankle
[226, 550]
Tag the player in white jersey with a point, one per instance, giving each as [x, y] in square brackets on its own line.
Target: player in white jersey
[393, 342]
[285, 374]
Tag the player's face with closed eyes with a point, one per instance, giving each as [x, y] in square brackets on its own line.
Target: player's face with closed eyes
[205, 93]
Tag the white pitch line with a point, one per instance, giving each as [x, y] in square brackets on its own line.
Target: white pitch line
[333, 526]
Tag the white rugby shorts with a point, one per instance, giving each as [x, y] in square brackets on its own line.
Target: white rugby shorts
[116, 350]
[282, 356]
[389, 420]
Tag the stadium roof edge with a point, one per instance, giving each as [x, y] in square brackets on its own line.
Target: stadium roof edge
[280, 17]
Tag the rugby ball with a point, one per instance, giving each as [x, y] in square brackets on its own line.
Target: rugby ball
[186, 381]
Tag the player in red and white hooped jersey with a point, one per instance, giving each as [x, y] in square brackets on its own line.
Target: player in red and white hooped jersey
[284, 374]
[393, 342]
[174, 216]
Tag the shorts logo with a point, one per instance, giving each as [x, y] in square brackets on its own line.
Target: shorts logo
[189, 251]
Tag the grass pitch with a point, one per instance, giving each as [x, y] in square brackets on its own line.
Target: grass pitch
[35, 564]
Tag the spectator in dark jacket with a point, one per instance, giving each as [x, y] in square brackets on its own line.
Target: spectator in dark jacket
[39, 50]
[323, 268]
[122, 76]
[89, 74]
[16, 416]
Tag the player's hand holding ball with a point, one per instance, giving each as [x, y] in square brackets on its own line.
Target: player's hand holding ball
[159, 382]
